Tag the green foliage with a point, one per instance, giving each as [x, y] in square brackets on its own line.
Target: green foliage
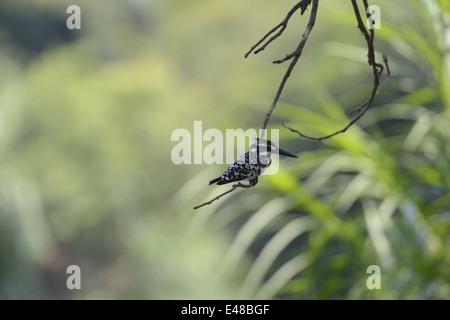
[86, 177]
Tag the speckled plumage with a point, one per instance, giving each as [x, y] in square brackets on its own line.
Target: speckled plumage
[249, 165]
[246, 167]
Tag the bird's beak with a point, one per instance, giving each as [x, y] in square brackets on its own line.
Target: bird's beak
[287, 154]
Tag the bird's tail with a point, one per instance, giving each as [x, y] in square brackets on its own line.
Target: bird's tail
[214, 180]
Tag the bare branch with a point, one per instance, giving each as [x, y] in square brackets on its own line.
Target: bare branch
[295, 56]
[283, 24]
[377, 70]
[305, 35]
[234, 187]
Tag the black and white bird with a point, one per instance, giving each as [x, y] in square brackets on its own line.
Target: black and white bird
[251, 164]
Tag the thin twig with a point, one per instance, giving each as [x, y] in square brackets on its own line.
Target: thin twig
[234, 187]
[357, 109]
[295, 56]
[388, 73]
[377, 70]
[283, 24]
[385, 63]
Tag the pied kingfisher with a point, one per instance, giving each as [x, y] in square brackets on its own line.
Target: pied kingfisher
[251, 164]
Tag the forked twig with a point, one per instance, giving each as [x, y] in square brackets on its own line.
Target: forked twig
[377, 70]
[295, 56]
[283, 24]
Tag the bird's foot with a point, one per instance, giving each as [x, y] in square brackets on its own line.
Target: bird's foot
[250, 184]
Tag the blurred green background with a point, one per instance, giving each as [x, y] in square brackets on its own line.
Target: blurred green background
[86, 176]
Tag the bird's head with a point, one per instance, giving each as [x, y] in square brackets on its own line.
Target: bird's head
[267, 147]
